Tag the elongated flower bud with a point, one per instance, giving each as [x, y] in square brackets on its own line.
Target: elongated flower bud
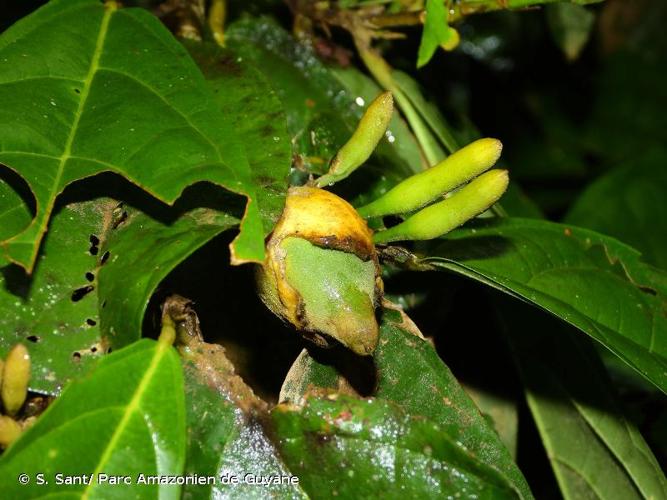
[15, 378]
[321, 271]
[424, 187]
[358, 149]
[440, 218]
[10, 430]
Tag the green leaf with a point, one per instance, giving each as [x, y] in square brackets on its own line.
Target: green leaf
[575, 407]
[628, 203]
[224, 436]
[411, 375]
[127, 418]
[168, 236]
[591, 281]
[116, 93]
[62, 335]
[345, 447]
[571, 27]
[436, 30]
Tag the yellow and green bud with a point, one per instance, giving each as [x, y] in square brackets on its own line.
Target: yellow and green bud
[440, 218]
[321, 272]
[15, 378]
[364, 140]
[422, 188]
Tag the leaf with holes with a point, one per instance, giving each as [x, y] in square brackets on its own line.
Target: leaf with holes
[54, 311]
[126, 418]
[116, 93]
[79, 301]
[591, 281]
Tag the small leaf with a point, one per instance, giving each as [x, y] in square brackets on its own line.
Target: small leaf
[591, 281]
[128, 416]
[575, 407]
[436, 31]
[571, 27]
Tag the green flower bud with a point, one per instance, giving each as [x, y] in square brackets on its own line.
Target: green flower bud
[15, 378]
[440, 218]
[10, 430]
[321, 272]
[363, 142]
[424, 187]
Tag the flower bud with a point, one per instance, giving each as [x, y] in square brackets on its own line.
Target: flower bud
[365, 138]
[440, 218]
[424, 187]
[15, 378]
[321, 271]
[10, 430]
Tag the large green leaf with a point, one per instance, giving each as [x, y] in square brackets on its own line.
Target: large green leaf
[591, 281]
[574, 405]
[127, 418]
[411, 375]
[115, 93]
[628, 203]
[346, 447]
[62, 334]
[149, 247]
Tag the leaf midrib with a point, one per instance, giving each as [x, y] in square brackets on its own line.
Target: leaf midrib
[109, 9]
